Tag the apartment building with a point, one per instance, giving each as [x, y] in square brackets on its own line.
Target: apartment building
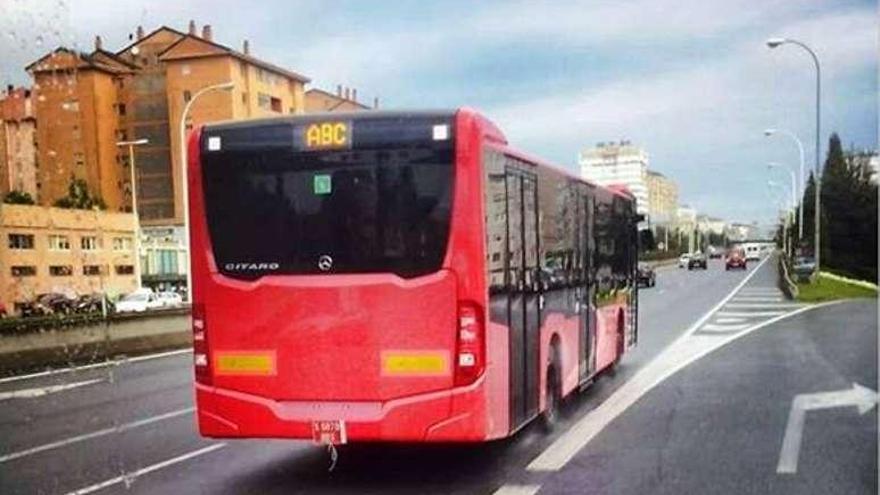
[662, 198]
[75, 252]
[345, 100]
[75, 107]
[18, 153]
[86, 103]
[618, 163]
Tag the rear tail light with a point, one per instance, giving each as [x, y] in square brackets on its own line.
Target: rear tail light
[470, 344]
[201, 352]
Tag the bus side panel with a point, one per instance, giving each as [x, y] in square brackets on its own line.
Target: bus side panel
[465, 256]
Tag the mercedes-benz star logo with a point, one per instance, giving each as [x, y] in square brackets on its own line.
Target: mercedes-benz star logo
[325, 263]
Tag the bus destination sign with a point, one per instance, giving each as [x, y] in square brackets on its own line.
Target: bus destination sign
[326, 136]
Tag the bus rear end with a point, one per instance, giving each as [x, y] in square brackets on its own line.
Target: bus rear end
[325, 303]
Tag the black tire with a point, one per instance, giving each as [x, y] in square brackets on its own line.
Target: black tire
[550, 418]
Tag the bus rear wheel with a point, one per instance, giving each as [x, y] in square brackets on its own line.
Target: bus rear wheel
[553, 400]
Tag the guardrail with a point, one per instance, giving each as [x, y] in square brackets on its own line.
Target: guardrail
[788, 286]
[36, 343]
[18, 325]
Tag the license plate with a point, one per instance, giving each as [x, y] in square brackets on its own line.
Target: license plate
[329, 432]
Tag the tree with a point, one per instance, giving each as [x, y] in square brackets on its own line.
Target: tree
[849, 213]
[18, 198]
[79, 198]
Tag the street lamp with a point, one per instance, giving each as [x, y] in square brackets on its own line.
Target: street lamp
[780, 201]
[227, 86]
[794, 190]
[770, 132]
[137, 219]
[773, 43]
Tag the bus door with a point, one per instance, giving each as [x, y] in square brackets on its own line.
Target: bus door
[586, 290]
[522, 238]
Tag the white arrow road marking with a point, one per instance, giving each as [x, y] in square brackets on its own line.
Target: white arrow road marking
[129, 478]
[30, 393]
[94, 434]
[863, 398]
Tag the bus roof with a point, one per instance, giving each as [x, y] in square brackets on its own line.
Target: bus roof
[490, 129]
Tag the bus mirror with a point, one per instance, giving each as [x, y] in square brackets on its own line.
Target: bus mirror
[640, 217]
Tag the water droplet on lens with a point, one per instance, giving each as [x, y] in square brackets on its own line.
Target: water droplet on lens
[39, 40]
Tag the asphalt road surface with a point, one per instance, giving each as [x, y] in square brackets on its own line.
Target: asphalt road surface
[128, 427]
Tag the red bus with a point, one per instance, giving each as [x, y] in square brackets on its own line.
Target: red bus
[397, 276]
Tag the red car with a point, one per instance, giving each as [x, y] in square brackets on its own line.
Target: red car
[735, 258]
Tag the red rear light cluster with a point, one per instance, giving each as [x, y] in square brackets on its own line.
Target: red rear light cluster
[470, 344]
[201, 354]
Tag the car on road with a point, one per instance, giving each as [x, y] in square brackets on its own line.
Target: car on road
[683, 260]
[170, 299]
[698, 260]
[735, 258]
[139, 301]
[753, 252]
[714, 252]
[646, 276]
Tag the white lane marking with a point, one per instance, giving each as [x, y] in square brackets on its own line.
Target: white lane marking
[95, 434]
[759, 299]
[724, 328]
[517, 490]
[571, 442]
[764, 305]
[669, 362]
[863, 398]
[748, 314]
[102, 364]
[32, 393]
[730, 320]
[129, 478]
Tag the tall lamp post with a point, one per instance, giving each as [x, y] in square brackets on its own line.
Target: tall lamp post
[794, 188]
[226, 86]
[801, 183]
[780, 201]
[773, 43]
[134, 207]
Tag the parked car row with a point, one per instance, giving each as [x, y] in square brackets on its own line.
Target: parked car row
[55, 303]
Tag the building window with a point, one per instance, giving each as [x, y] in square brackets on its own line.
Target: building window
[264, 100]
[125, 269]
[71, 106]
[21, 241]
[92, 270]
[90, 243]
[276, 104]
[187, 95]
[184, 69]
[244, 98]
[122, 243]
[120, 109]
[166, 261]
[61, 271]
[24, 271]
[59, 243]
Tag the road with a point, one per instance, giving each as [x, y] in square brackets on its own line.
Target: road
[128, 427]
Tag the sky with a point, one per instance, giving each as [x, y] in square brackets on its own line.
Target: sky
[690, 81]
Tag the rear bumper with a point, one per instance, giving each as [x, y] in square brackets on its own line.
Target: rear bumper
[456, 415]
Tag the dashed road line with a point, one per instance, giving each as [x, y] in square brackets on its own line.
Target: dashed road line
[103, 364]
[129, 478]
[95, 434]
[32, 393]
